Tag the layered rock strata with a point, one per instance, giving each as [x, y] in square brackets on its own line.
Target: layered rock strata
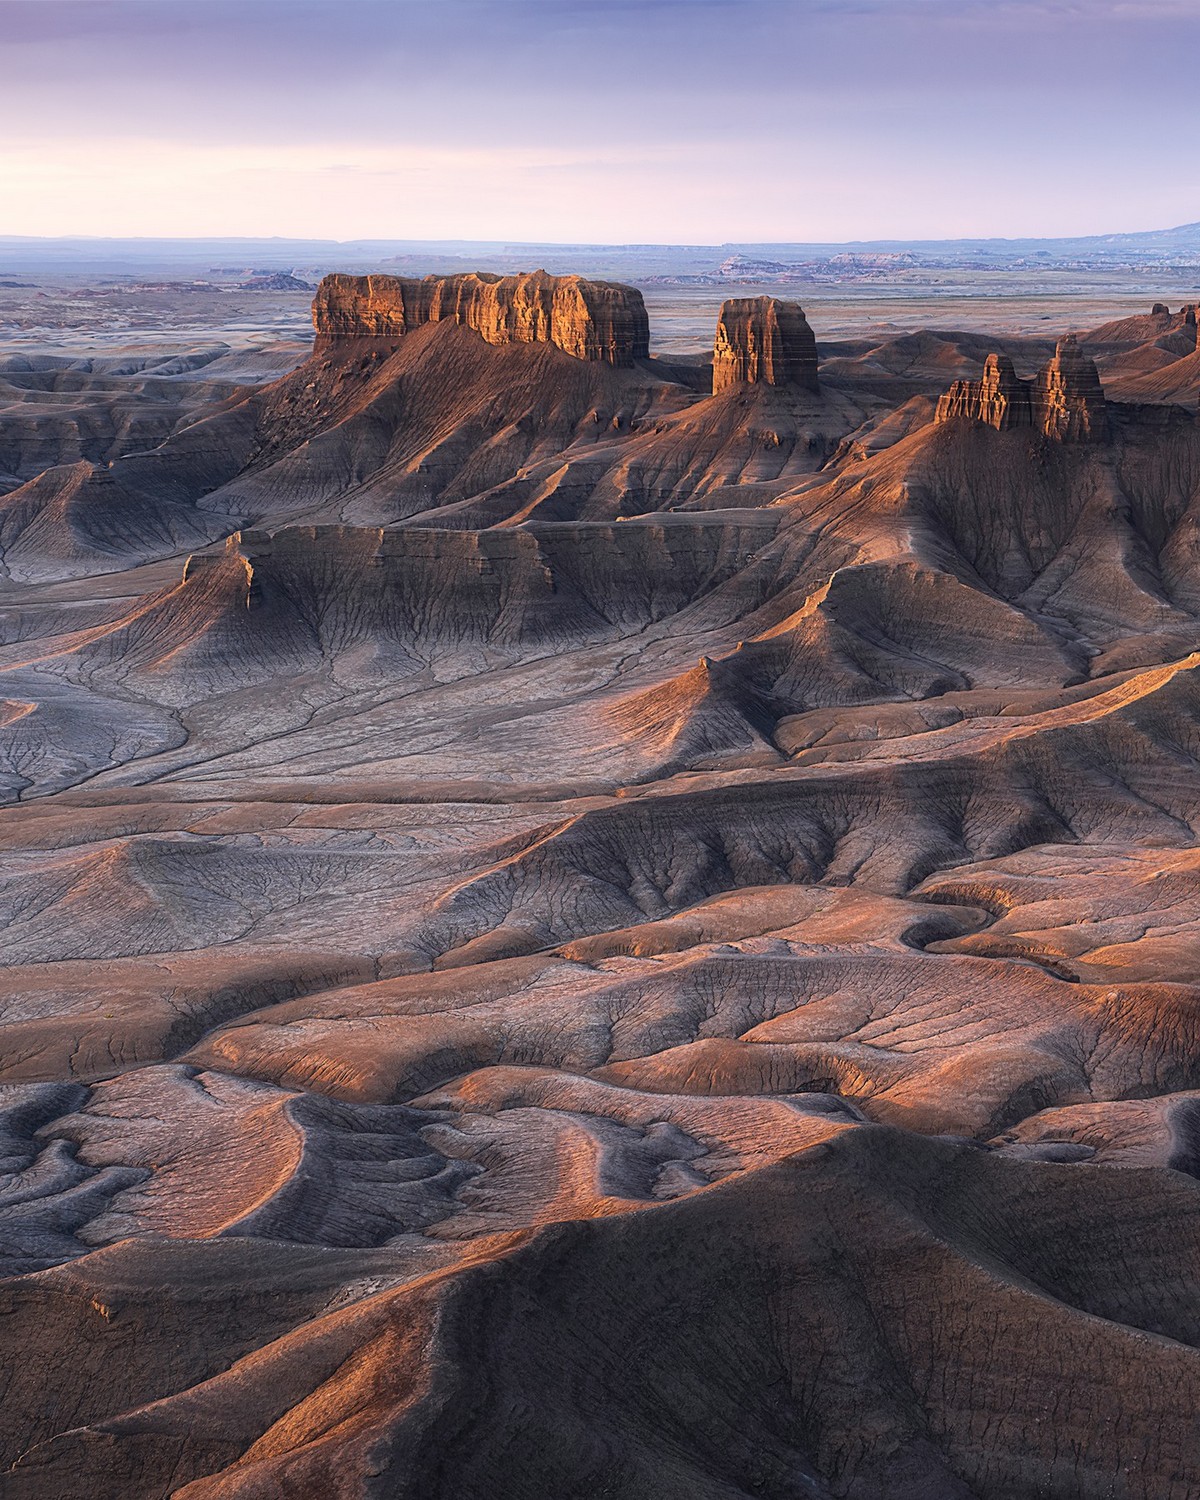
[1068, 398]
[764, 341]
[999, 398]
[1185, 317]
[593, 320]
[1064, 400]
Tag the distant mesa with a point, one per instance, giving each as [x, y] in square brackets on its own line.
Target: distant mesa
[764, 341]
[599, 321]
[274, 281]
[1064, 400]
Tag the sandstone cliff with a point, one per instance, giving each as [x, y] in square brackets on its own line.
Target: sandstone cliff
[593, 320]
[1068, 398]
[1000, 398]
[762, 340]
[1064, 400]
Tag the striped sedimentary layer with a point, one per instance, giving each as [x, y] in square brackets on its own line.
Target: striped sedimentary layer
[593, 320]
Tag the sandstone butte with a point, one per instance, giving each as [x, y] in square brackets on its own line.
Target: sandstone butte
[1064, 400]
[763, 340]
[1187, 312]
[595, 938]
[599, 321]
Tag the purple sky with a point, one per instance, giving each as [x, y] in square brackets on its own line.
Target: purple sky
[686, 121]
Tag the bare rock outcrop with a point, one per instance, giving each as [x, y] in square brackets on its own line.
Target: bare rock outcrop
[1064, 400]
[764, 341]
[594, 320]
[595, 932]
[1000, 398]
[1068, 398]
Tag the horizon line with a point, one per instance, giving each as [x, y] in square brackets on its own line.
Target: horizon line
[569, 244]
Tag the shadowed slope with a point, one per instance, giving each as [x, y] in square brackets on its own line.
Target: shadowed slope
[811, 1279]
[615, 940]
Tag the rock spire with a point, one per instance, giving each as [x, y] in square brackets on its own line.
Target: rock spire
[999, 398]
[1064, 400]
[1068, 398]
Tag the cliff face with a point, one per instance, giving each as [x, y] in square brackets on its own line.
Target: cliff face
[1000, 398]
[1064, 400]
[1068, 397]
[762, 340]
[593, 320]
[279, 603]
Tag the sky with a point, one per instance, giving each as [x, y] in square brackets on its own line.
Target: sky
[599, 121]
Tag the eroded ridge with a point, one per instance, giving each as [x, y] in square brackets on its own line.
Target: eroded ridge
[573, 929]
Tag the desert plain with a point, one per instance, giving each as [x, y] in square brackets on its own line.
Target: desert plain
[600, 890]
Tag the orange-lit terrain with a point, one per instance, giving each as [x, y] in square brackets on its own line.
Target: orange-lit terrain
[567, 934]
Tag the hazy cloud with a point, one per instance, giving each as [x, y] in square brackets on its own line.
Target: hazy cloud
[679, 119]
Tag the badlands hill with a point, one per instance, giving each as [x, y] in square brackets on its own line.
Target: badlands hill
[581, 923]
